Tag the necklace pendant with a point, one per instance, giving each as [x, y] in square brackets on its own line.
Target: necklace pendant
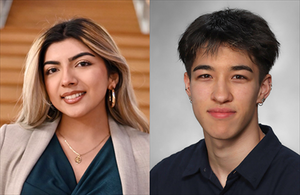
[78, 159]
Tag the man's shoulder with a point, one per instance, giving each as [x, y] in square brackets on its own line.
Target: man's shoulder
[288, 158]
[168, 173]
[285, 172]
[282, 158]
[178, 161]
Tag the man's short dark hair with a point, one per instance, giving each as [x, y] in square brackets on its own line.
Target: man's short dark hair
[235, 28]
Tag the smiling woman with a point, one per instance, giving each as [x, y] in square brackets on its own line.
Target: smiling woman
[76, 79]
[79, 125]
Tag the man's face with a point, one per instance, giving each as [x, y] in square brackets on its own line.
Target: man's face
[225, 90]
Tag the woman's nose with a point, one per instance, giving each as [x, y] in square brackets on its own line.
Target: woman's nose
[68, 78]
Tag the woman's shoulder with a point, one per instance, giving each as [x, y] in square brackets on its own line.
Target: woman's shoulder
[13, 139]
[134, 133]
[136, 136]
[131, 132]
[11, 127]
[16, 133]
[12, 130]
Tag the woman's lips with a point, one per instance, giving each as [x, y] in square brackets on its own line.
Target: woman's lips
[72, 97]
[221, 113]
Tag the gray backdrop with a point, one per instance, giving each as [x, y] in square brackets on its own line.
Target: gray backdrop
[173, 125]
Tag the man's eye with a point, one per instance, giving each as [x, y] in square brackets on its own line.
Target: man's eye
[205, 76]
[239, 77]
[83, 63]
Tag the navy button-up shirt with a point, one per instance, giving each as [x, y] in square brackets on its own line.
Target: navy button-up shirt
[269, 169]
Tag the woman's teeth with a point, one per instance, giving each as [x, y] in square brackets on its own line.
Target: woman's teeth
[73, 96]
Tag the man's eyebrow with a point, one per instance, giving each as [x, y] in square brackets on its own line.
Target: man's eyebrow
[241, 67]
[80, 55]
[203, 67]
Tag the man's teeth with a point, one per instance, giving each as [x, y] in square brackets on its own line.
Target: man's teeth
[74, 96]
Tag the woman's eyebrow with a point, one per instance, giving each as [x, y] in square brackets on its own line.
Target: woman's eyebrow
[51, 62]
[70, 59]
[80, 55]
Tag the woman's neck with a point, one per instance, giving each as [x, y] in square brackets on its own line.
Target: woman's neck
[78, 129]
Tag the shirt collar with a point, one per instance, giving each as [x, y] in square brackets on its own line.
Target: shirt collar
[256, 163]
[252, 168]
[198, 161]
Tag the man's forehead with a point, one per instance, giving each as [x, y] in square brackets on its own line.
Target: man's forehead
[234, 56]
[214, 51]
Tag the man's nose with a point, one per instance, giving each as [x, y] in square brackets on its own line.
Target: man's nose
[221, 92]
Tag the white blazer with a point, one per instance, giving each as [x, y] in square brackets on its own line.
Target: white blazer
[20, 149]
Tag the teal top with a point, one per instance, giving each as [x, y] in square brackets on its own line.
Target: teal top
[53, 174]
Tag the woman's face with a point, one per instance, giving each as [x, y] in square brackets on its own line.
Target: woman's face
[76, 79]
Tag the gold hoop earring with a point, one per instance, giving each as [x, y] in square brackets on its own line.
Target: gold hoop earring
[112, 98]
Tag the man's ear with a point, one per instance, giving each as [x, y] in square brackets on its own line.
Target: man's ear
[113, 80]
[187, 84]
[265, 89]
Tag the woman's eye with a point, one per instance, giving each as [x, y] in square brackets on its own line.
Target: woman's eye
[51, 71]
[83, 63]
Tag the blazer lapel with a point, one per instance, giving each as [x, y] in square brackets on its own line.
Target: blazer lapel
[37, 143]
[124, 157]
[40, 138]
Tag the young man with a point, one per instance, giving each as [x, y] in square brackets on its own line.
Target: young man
[228, 55]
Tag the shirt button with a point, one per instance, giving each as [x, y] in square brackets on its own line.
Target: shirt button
[204, 169]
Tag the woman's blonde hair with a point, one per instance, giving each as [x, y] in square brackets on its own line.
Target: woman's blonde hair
[37, 108]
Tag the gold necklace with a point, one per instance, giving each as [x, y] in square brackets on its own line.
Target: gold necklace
[78, 158]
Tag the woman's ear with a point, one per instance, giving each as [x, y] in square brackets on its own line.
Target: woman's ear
[265, 89]
[113, 80]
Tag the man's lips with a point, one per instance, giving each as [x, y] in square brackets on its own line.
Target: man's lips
[221, 113]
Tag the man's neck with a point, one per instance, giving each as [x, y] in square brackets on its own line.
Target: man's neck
[225, 155]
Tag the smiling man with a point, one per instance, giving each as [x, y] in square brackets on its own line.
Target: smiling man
[228, 55]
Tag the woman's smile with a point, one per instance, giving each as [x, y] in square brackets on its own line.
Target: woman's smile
[73, 97]
[78, 77]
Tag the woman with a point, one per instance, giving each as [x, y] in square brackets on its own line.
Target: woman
[79, 130]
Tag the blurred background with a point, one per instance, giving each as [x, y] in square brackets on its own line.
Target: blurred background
[173, 124]
[21, 22]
